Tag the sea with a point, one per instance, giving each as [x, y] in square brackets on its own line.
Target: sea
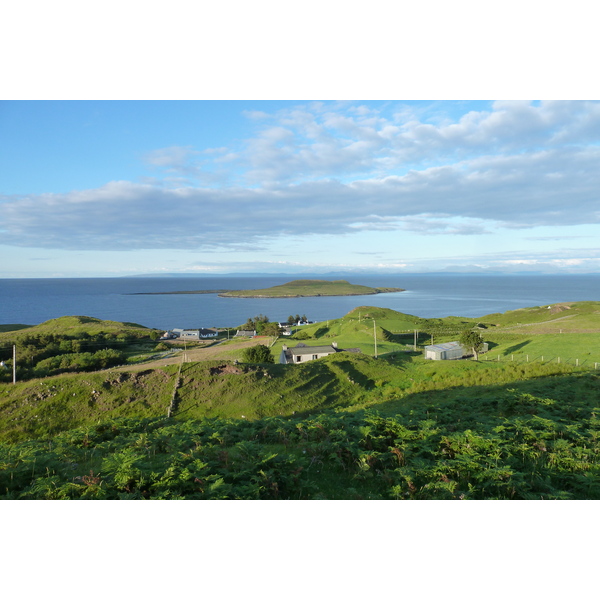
[141, 299]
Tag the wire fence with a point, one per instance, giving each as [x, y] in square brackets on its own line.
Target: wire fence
[543, 359]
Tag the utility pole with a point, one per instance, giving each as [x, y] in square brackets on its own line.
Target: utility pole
[14, 364]
[415, 344]
[375, 337]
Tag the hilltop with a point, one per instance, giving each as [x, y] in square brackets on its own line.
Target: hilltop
[310, 287]
[73, 326]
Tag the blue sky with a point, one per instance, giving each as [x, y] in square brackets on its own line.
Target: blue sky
[94, 188]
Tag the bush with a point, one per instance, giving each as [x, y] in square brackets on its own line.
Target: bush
[301, 335]
[258, 354]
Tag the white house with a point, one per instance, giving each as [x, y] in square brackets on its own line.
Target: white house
[303, 353]
[194, 334]
[208, 333]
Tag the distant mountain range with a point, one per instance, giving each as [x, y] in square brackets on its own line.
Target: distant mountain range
[350, 274]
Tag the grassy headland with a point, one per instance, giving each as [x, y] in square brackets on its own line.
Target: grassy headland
[310, 287]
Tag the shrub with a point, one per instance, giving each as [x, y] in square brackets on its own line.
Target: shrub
[258, 354]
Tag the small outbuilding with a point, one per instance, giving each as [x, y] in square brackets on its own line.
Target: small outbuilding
[448, 351]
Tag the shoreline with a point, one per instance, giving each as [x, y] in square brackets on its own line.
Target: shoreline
[374, 293]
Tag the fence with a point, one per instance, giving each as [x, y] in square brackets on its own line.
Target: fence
[526, 358]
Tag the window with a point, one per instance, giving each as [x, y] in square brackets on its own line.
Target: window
[314, 357]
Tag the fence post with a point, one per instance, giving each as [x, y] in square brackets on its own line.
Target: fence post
[558, 359]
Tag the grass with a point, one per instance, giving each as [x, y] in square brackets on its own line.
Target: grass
[73, 326]
[533, 439]
[424, 429]
[310, 287]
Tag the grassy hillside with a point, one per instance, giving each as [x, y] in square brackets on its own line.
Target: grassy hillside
[530, 334]
[222, 389]
[526, 440]
[552, 318]
[310, 287]
[72, 344]
[73, 326]
[345, 426]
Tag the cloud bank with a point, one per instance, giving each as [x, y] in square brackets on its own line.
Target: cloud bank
[338, 168]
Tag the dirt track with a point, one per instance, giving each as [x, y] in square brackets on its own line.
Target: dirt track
[213, 352]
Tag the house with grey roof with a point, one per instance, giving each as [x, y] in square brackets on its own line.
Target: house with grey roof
[303, 353]
[244, 333]
[193, 334]
[207, 333]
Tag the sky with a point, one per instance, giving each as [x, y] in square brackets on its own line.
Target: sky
[231, 137]
[114, 188]
[235, 140]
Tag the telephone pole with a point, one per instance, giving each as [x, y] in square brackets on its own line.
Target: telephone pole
[14, 364]
[375, 337]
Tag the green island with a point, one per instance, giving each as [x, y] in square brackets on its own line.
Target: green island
[310, 287]
[105, 410]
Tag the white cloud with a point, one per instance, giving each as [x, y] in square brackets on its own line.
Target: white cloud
[517, 191]
[339, 169]
[176, 158]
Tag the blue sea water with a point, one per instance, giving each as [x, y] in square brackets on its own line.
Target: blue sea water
[32, 301]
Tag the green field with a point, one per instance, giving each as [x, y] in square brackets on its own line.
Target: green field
[310, 287]
[348, 426]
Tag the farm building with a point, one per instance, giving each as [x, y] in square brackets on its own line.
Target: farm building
[448, 351]
[245, 333]
[208, 333]
[303, 353]
[193, 334]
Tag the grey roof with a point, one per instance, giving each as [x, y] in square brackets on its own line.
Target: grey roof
[303, 349]
[446, 346]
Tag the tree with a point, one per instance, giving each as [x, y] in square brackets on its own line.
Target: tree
[258, 354]
[268, 329]
[471, 341]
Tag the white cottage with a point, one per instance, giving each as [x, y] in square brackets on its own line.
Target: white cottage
[303, 353]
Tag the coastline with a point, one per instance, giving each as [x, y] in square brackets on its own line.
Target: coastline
[233, 294]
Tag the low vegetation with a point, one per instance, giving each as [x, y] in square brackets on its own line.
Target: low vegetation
[348, 426]
[73, 344]
[310, 287]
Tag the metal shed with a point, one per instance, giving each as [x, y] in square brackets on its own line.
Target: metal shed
[447, 351]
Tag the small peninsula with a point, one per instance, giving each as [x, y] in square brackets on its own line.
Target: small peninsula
[310, 287]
